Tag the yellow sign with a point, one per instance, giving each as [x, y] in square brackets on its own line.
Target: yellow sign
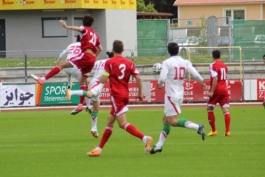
[66, 4]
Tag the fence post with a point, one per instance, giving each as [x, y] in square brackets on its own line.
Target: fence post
[26, 66]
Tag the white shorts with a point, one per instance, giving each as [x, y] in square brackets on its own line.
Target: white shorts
[75, 72]
[96, 88]
[172, 105]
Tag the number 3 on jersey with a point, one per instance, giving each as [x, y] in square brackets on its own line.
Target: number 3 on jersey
[122, 68]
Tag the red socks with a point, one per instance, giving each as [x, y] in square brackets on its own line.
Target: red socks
[82, 98]
[211, 119]
[133, 130]
[227, 121]
[105, 136]
[53, 72]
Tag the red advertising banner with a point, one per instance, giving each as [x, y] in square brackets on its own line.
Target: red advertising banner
[260, 89]
[193, 92]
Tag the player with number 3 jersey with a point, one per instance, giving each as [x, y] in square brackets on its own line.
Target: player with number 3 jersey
[218, 93]
[118, 71]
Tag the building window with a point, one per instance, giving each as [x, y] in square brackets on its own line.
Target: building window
[78, 21]
[52, 28]
[236, 14]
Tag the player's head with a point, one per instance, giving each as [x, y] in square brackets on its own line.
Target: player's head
[173, 48]
[78, 38]
[264, 58]
[110, 54]
[216, 54]
[117, 47]
[88, 20]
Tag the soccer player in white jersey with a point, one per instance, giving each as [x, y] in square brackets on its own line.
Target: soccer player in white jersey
[98, 70]
[95, 97]
[172, 74]
[73, 50]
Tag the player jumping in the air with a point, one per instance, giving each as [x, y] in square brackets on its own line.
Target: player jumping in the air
[90, 47]
[118, 71]
[218, 93]
[173, 74]
[72, 51]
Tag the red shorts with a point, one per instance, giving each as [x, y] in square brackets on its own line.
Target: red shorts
[118, 105]
[85, 62]
[222, 99]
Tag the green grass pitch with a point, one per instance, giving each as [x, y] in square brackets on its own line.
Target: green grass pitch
[54, 144]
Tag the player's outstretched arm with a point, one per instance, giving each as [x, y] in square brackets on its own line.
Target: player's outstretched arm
[139, 85]
[163, 75]
[75, 28]
[196, 75]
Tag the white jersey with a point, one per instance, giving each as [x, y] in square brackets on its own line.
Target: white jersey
[173, 73]
[71, 51]
[99, 68]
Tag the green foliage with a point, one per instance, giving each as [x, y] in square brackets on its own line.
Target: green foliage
[141, 7]
[55, 143]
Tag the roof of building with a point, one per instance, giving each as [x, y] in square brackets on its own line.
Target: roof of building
[153, 15]
[215, 2]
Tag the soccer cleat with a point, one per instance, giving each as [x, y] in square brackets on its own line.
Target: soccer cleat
[68, 94]
[70, 87]
[155, 149]
[201, 132]
[77, 110]
[94, 153]
[148, 144]
[212, 133]
[94, 133]
[38, 79]
[88, 110]
[227, 133]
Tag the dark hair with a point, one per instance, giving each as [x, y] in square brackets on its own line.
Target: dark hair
[117, 46]
[263, 55]
[110, 54]
[78, 38]
[216, 54]
[173, 48]
[88, 20]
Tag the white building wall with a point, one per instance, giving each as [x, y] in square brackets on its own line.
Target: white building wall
[24, 29]
[121, 25]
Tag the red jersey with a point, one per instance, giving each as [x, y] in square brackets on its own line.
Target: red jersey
[120, 70]
[89, 39]
[219, 69]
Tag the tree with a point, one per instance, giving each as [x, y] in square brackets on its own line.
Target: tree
[164, 6]
[141, 7]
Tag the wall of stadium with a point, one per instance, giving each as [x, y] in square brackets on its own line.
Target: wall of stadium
[24, 29]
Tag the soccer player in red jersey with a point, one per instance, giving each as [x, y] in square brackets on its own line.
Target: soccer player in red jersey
[90, 46]
[118, 71]
[218, 93]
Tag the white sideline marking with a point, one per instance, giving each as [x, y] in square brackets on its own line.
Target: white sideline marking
[177, 144]
[130, 106]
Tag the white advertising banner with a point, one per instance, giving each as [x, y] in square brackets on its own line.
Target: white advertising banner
[18, 95]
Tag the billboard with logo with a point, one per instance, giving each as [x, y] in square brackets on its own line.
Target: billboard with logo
[54, 94]
[17, 95]
[67, 4]
[254, 89]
